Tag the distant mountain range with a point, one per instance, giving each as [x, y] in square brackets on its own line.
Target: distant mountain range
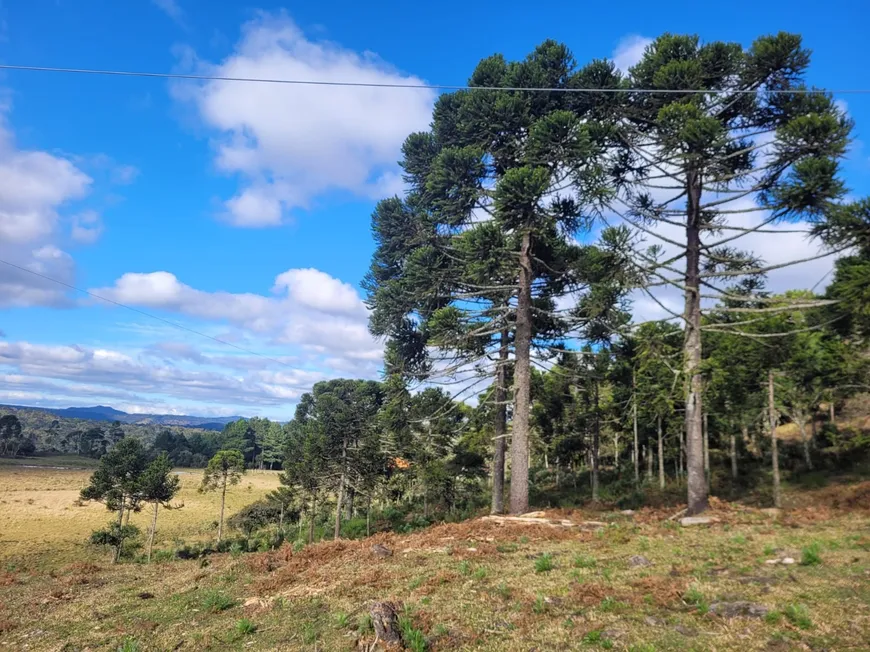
[104, 413]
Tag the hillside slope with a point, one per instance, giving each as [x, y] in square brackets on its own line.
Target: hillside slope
[640, 583]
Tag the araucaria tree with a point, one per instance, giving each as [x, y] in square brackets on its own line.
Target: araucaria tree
[732, 143]
[117, 483]
[225, 469]
[473, 260]
[158, 486]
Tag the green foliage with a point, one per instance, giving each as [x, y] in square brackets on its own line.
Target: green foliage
[798, 615]
[216, 601]
[584, 561]
[224, 469]
[544, 563]
[130, 645]
[810, 555]
[119, 538]
[412, 637]
[245, 627]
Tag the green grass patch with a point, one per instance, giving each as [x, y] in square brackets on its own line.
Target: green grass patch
[544, 563]
[245, 627]
[810, 555]
[798, 615]
[217, 601]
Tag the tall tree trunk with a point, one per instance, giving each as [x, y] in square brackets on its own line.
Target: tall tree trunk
[805, 441]
[337, 529]
[369, 516]
[774, 448]
[311, 520]
[661, 454]
[522, 383]
[697, 484]
[153, 530]
[832, 412]
[596, 442]
[680, 453]
[223, 503]
[348, 503]
[500, 427]
[706, 452]
[649, 462]
[733, 456]
[616, 449]
[634, 424]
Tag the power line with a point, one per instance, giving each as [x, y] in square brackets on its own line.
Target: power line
[142, 312]
[436, 87]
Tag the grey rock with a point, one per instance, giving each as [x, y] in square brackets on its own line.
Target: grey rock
[685, 631]
[612, 634]
[638, 560]
[652, 621]
[381, 551]
[740, 608]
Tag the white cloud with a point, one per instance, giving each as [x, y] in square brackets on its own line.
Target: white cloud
[310, 309]
[629, 51]
[320, 291]
[171, 8]
[293, 143]
[124, 174]
[86, 227]
[34, 186]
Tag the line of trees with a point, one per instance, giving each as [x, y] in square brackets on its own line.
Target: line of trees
[481, 273]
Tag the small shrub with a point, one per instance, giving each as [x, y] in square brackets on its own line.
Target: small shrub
[298, 546]
[464, 568]
[245, 627]
[341, 620]
[480, 573]
[440, 630]
[592, 637]
[772, 617]
[798, 615]
[415, 583]
[539, 606]
[413, 638]
[584, 561]
[364, 624]
[507, 547]
[309, 632]
[130, 645]
[695, 598]
[216, 601]
[609, 604]
[160, 556]
[769, 550]
[810, 555]
[544, 563]
[504, 591]
[236, 550]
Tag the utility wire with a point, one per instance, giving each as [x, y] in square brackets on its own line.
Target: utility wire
[437, 87]
[142, 312]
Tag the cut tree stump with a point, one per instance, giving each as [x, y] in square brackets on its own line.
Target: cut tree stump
[385, 620]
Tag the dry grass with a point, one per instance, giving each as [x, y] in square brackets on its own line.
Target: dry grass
[41, 519]
[473, 586]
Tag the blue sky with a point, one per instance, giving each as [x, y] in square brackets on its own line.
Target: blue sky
[242, 211]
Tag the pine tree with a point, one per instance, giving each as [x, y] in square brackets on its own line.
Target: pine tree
[158, 486]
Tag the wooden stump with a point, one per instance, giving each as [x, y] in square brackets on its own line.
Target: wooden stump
[385, 619]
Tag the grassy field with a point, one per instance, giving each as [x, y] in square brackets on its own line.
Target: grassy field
[42, 522]
[469, 586]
